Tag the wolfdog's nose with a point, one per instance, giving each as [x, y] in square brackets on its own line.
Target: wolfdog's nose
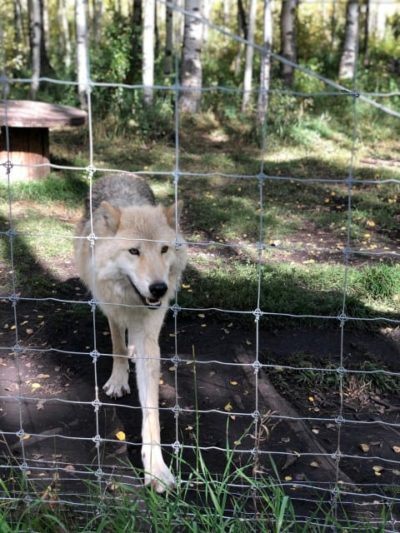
[158, 289]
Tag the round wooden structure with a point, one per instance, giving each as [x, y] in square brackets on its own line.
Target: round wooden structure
[24, 138]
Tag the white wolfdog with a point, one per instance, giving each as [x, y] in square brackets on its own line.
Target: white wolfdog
[132, 271]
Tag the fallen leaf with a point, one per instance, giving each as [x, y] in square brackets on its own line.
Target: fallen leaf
[40, 405]
[233, 382]
[35, 386]
[288, 478]
[371, 223]
[43, 376]
[377, 470]
[364, 447]
[396, 449]
[228, 407]
[201, 315]
[314, 464]
[69, 468]
[120, 435]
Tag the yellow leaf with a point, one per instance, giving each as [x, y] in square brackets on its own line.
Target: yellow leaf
[185, 286]
[228, 407]
[233, 382]
[35, 386]
[377, 470]
[371, 223]
[26, 436]
[120, 435]
[288, 478]
[396, 449]
[311, 399]
[201, 315]
[364, 447]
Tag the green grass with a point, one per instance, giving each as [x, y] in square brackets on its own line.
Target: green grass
[204, 503]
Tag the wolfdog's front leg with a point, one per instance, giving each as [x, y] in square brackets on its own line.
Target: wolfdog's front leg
[148, 377]
[118, 385]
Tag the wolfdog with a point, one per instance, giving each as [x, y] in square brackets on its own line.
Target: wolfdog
[131, 257]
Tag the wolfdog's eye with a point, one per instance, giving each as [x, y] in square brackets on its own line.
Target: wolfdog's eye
[134, 251]
[164, 249]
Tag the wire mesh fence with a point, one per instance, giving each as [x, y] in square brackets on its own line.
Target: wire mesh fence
[57, 453]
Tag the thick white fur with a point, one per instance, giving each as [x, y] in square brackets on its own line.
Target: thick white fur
[105, 267]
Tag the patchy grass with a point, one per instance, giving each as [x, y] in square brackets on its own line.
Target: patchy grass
[304, 225]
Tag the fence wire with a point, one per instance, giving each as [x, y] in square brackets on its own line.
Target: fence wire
[338, 492]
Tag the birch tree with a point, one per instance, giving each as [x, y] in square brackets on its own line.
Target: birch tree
[348, 58]
[64, 36]
[148, 50]
[35, 38]
[191, 70]
[265, 68]
[169, 40]
[248, 67]
[288, 39]
[82, 58]
[136, 43]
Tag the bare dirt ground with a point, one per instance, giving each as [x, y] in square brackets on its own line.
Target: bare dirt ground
[48, 384]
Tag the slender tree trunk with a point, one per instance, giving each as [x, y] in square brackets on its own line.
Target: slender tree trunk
[19, 32]
[64, 36]
[82, 58]
[191, 73]
[148, 50]
[242, 19]
[366, 29]
[169, 41]
[248, 67]
[288, 39]
[265, 70]
[136, 44]
[350, 48]
[98, 9]
[35, 37]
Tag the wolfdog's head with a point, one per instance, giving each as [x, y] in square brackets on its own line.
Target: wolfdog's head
[141, 246]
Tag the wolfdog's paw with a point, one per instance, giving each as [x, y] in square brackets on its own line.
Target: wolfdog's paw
[160, 479]
[115, 388]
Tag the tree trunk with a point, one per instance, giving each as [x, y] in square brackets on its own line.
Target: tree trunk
[348, 60]
[288, 39]
[248, 67]
[136, 44]
[98, 8]
[19, 32]
[148, 50]
[35, 38]
[64, 36]
[265, 70]
[191, 70]
[242, 20]
[169, 40]
[366, 30]
[82, 58]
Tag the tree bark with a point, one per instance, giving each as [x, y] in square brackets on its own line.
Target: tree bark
[98, 8]
[242, 19]
[348, 59]
[169, 40]
[136, 43]
[248, 67]
[191, 70]
[148, 51]
[288, 39]
[35, 38]
[64, 35]
[265, 70]
[82, 58]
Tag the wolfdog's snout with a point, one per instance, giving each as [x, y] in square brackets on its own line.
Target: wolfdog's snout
[158, 289]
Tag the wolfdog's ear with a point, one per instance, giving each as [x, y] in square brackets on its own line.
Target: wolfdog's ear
[107, 217]
[172, 211]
